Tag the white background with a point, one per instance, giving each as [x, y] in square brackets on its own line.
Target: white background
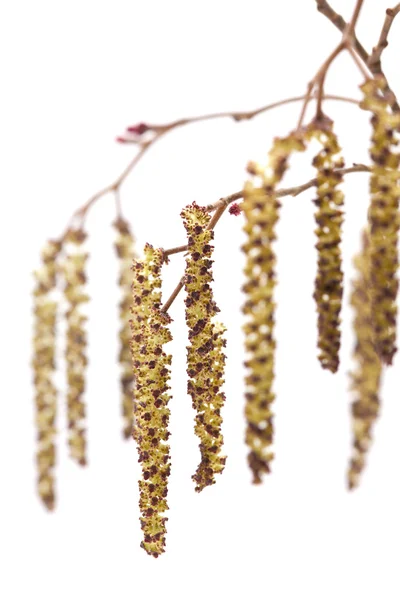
[74, 74]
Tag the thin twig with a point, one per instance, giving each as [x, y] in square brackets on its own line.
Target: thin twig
[220, 207]
[374, 60]
[324, 8]
[161, 130]
[349, 31]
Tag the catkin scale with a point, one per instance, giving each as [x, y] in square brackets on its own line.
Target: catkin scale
[205, 356]
[43, 363]
[383, 216]
[366, 378]
[151, 368]
[74, 274]
[124, 246]
[261, 210]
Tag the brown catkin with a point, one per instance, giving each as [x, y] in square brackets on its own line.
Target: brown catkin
[43, 363]
[205, 356]
[366, 378]
[74, 273]
[124, 246]
[383, 215]
[261, 210]
[329, 218]
[151, 367]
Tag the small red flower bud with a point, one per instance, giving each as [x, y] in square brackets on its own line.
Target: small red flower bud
[235, 209]
[121, 140]
[138, 129]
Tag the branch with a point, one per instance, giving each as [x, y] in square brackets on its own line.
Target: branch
[160, 130]
[374, 60]
[220, 206]
[324, 8]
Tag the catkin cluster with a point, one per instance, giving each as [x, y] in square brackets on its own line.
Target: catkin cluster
[74, 274]
[329, 218]
[151, 367]
[205, 356]
[367, 376]
[383, 215]
[43, 363]
[261, 209]
[124, 247]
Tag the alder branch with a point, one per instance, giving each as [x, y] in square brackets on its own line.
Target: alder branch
[374, 60]
[221, 205]
[319, 78]
[160, 130]
[324, 8]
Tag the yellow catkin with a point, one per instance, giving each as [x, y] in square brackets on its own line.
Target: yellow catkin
[124, 247]
[205, 357]
[329, 218]
[43, 363]
[383, 215]
[74, 273]
[366, 378]
[151, 367]
[261, 211]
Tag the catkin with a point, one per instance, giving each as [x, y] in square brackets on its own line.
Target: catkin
[151, 367]
[383, 215]
[366, 378]
[205, 357]
[328, 291]
[74, 273]
[43, 363]
[124, 247]
[261, 210]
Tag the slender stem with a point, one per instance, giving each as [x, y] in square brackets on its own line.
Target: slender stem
[349, 31]
[222, 204]
[174, 294]
[375, 58]
[161, 130]
[175, 250]
[324, 8]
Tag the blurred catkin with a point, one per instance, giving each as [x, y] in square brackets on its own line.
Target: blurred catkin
[328, 291]
[43, 362]
[205, 356]
[366, 377]
[124, 246]
[383, 215]
[151, 367]
[74, 274]
[261, 210]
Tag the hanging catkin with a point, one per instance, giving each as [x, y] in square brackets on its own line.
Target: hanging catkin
[124, 246]
[383, 215]
[329, 218]
[366, 378]
[205, 356]
[74, 273]
[261, 210]
[151, 368]
[43, 362]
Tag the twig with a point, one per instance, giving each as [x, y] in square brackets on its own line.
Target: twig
[349, 31]
[324, 8]
[374, 60]
[346, 43]
[213, 221]
[220, 207]
[160, 130]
